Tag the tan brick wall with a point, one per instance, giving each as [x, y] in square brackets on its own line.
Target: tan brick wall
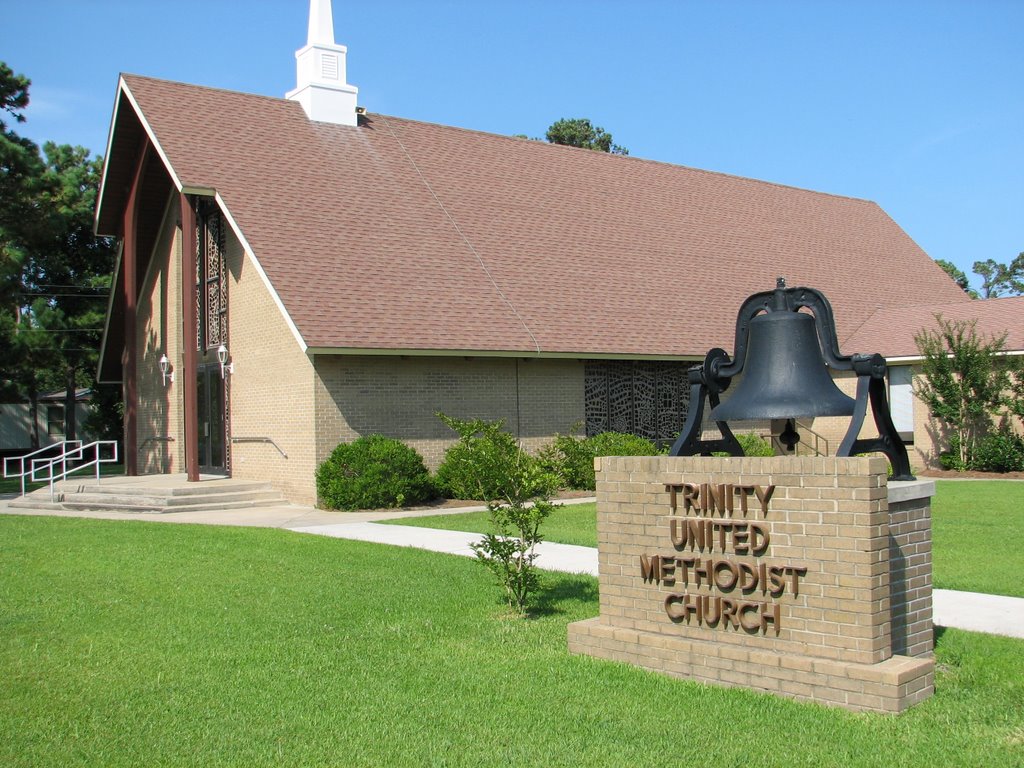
[271, 391]
[399, 397]
[910, 567]
[158, 332]
[828, 519]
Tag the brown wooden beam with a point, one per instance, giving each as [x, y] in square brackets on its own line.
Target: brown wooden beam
[129, 260]
[188, 325]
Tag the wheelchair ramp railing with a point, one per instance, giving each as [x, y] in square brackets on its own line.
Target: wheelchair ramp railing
[21, 466]
[74, 459]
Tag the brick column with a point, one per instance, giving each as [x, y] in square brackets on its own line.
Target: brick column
[129, 265]
[188, 322]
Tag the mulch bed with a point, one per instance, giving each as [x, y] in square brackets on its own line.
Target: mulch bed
[951, 474]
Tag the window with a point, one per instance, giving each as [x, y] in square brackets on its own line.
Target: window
[649, 399]
[55, 420]
[211, 279]
[901, 400]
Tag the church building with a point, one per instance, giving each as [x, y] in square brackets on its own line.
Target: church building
[296, 272]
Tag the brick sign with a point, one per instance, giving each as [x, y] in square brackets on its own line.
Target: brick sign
[783, 574]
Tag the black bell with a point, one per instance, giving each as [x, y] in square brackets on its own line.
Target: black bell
[784, 376]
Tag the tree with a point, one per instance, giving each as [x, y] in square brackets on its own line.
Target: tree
[1001, 279]
[54, 273]
[20, 171]
[966, 381]
[579, 132]
[69, 269]
[957, 275]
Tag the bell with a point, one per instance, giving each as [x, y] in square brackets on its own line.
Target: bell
[784, 375]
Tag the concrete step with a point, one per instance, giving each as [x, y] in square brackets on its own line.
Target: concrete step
[211, 488]
[167, 510]
[29, 502]
[154, 497]
[93, 500]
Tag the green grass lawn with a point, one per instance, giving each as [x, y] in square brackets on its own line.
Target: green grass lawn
[976, 529]
[131, 643]
[977, 526]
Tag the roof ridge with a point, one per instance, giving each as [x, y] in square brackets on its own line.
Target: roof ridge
[551, 146]
[967, 303]
[205, 87]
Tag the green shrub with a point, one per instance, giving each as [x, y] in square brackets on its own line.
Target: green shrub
[754, 445]
[476, 467]
[621, 444]
[1001, 451]
[572, 458]
[952, 458]
[373, 471]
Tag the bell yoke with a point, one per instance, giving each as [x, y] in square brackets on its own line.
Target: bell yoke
[787, 354]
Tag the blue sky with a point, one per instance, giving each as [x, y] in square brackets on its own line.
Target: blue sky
[918, 106]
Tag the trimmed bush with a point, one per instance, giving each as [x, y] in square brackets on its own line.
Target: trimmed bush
[621, 444]
[754, 445]
[1001, 451]
[572, 458]
[371, 472]
[951, 459]
[477, 466]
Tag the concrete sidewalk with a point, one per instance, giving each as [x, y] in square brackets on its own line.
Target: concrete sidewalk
[566, 558]
[963, 610]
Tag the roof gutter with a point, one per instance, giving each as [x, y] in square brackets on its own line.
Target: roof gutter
[497, 353]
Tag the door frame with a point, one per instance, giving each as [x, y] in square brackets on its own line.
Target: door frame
[211, 402]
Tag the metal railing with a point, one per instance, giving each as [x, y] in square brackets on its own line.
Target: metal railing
[819, 446]
[259, 440]
[49, 466]
[61, 447]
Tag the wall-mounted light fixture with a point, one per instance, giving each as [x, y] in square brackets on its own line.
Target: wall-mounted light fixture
[222, 357]
[165, 370]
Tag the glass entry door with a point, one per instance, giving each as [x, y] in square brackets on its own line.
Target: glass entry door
[210, 406]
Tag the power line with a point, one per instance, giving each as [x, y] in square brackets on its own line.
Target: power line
[58, 330]
[75, 295]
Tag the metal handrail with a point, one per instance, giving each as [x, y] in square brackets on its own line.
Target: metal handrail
[818, 440]
[259, 440]
[52, 477]
[802, 429]
[23, 473]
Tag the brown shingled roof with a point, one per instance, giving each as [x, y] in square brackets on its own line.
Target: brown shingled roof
[890, 331]
[404, 235]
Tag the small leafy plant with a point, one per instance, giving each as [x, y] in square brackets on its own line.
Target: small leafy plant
[486, 463]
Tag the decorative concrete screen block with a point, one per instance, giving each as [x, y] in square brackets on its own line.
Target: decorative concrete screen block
[803, 577]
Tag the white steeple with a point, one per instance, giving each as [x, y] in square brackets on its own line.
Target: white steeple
[320, 71]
